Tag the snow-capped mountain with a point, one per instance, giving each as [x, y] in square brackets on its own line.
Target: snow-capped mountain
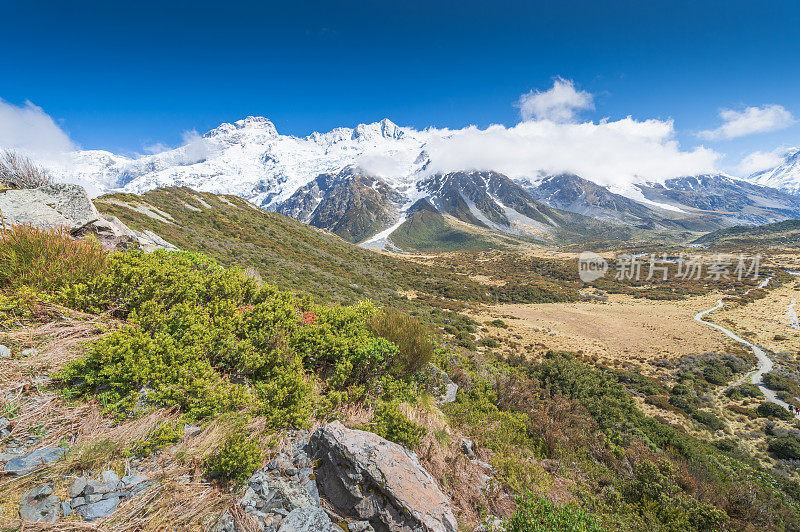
[363, 183]
[785, 176]
[249, 158]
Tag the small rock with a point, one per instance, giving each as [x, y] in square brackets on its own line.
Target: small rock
[78, 501]
[4, 423]
[39, 505]
[22, 465]
[96, 487]
[190, 431]
[77, 487]
[5, 351]
[224, 523]
[360, 526]
[99, 509]
[109, 477]
[128, 481]
[94, 497]
[468, 448]
[291, 471]
[66, 508]
[308, 520]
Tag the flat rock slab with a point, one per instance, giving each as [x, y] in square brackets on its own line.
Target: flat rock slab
[368, 477]
[49, 206]
[22, 465]
[308, 519]
[99, 509]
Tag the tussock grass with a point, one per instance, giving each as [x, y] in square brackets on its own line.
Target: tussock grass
[47, 259]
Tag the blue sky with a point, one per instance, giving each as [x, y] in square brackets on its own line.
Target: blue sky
[123, 75]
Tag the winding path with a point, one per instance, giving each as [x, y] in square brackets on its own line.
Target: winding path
[764, 362]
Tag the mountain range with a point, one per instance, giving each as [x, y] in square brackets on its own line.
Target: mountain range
[372, 185]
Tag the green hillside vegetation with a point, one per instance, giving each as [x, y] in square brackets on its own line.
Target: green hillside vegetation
[283, 251]
[247, 361]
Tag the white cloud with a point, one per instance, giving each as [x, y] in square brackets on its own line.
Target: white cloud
[610, 153]
[758, 161]
[28, 129]
[156, 147]
[751, 120]
[195, 147]
[558, 104]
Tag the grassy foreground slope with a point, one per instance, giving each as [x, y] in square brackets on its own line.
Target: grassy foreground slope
[175, 338]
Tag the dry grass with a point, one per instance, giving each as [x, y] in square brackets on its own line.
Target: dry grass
[625, 331]
[18, 171]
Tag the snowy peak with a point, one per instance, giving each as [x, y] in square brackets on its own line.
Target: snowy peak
[251, 124]
[785, 176]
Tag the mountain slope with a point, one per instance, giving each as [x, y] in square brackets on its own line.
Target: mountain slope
[722, 200]
[352, 204]
[785, 177]
[284, 251]
[785, 234]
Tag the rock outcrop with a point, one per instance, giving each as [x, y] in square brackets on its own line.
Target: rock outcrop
[69, 206]
[363, 475]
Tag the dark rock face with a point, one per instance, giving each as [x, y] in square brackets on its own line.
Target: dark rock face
[368, 477]
[489, 199]
[352, 204]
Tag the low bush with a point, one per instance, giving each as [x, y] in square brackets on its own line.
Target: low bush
[158, 438]
[743, 390]
[709, 419]
[536, 514]
[787, 447]
[411, 336]
[18, 171]
[767, 409]
[388, 422]
[237, 459]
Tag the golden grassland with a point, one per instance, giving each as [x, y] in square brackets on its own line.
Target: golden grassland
[765, 321]
[623, 332]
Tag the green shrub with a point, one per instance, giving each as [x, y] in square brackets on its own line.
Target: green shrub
[498, 323]
[388, 422]
[412, 337]
[744, 390]
[536, 514]
[787, 447]
[47, 259]
[767, 409]
[237, 459]
[708, 419]
[489, 342]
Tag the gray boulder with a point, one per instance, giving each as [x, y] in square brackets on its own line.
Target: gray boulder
[22, 465]
[308, 519]
[67, 205]
[49, 206]
[39, 505]
[99, 509]
[367, 477]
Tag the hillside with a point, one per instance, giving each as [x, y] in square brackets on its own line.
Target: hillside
[778, 236]
[285, 252]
